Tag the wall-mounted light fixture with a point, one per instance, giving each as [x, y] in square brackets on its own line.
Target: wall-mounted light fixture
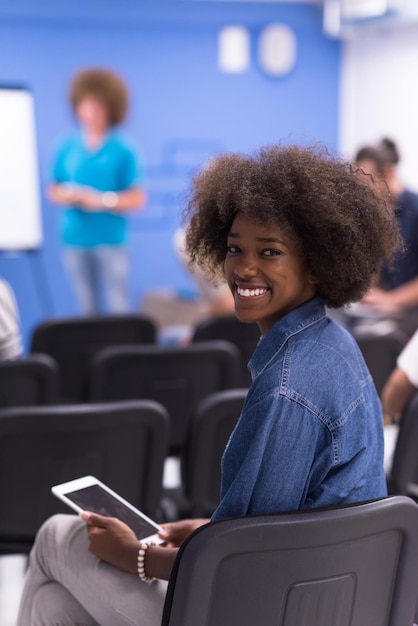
[277, 48]
[234, 49]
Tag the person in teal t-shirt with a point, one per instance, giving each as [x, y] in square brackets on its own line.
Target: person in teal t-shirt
[97, 179]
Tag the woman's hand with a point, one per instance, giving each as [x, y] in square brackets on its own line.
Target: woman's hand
[112, 541]
[174, 533]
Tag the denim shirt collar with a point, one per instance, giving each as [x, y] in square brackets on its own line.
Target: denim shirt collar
[294, 322]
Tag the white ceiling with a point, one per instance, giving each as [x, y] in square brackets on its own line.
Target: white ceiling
[343, 18]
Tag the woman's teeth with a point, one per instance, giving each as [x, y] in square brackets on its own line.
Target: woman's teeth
[247, 293]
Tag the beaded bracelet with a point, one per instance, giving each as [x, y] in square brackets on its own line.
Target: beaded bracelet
[141, 562]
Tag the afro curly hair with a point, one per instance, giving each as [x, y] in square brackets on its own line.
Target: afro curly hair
[346, 229]
[104, 85]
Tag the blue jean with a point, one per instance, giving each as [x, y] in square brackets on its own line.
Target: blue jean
[97, 273]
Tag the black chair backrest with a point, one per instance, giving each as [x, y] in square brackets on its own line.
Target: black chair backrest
[73, 342]
[229, 328]
[351, 566]
[29, 381]
[210, 430]
[404, 470]
[124, 444]
[380, 353]
[178, 377]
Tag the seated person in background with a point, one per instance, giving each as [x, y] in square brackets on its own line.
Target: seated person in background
[397, 290]
[291, 229]
[10, 337]
[217, 298]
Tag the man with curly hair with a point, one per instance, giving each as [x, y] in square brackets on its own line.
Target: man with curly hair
[97, 179]
[292, 229]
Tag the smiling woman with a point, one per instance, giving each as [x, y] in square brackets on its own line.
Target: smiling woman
[292, 229]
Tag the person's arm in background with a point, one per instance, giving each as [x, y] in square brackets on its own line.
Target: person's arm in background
[401, 297]
[403, 382]
[396, 393]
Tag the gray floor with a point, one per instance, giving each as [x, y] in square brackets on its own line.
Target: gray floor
[12, 569]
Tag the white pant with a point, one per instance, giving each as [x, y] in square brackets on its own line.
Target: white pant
[66, 585]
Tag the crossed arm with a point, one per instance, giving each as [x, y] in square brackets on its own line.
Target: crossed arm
[89, 199]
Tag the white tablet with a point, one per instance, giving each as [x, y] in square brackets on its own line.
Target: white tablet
[89, 494]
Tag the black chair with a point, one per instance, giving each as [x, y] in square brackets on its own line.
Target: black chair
[403, 478]
[348, 566]
[210, 430]
[380, 353]
[29, 381]
[178, 377]
[124, 444]
[73, 342]
[229, 328]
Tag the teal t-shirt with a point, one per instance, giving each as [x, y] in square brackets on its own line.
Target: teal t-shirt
[115, 166]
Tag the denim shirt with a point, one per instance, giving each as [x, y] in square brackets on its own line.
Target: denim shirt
[311, 430]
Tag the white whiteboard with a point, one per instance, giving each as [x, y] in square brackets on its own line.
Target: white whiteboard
[20, 209]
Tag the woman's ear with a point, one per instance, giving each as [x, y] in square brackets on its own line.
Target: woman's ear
[313, 278]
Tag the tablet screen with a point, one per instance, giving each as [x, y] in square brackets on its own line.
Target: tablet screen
[97, 500]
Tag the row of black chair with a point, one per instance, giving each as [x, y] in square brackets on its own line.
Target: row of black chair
[74, 342]
[350, 565]
[210, 582]
[178, 377]
[347, 565]
[124, 444]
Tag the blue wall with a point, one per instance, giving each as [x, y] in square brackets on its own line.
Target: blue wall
[183, 110]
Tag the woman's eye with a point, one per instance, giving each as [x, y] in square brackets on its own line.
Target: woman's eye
[232, 249]
[271, 252]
